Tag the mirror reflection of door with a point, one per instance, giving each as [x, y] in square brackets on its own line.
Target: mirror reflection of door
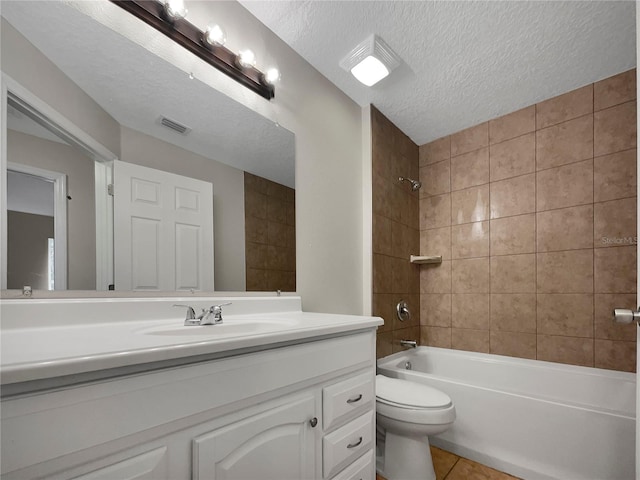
[31, 234]
[163, 230]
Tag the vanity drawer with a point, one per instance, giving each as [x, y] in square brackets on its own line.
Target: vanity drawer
[341, 447]
[362, 469]
[347, 399]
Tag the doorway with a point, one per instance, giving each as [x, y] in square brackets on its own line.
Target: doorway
[37, 228]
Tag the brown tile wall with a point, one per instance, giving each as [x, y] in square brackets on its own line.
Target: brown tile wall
[270, 235]
[534, 214]
[395, 233]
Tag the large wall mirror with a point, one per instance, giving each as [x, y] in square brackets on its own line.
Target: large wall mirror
[164, 124]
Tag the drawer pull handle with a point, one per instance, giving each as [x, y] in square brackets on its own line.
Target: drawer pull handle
[354, 400]
[313, 422]
[354, 445]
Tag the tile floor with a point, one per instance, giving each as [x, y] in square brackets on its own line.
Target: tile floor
[452, 467]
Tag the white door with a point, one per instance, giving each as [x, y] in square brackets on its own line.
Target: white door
[163, 230]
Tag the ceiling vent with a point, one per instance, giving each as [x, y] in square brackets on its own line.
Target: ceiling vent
[173, 125]
[371, 61]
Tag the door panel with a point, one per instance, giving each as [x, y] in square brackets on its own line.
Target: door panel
[145, 249]
[187, 256]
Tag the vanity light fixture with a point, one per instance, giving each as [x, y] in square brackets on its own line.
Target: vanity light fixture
[246, 58]
[175, 9]
[167, 16]
[370, 61]
[215, 36]
[272, 76]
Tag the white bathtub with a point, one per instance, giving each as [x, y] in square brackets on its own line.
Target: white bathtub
[532, 419]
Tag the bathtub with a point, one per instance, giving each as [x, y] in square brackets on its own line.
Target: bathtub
[532, 419]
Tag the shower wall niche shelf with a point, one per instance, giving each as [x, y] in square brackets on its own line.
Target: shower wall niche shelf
[423, 259]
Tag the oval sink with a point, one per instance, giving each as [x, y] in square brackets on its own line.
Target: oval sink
[206, 330]
[221, 329]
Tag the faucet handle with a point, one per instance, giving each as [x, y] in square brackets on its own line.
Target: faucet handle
[217, 309]
[216, 312]
[191, 318]
[191, 313]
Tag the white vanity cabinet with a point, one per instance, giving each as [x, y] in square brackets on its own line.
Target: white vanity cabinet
[295, 412]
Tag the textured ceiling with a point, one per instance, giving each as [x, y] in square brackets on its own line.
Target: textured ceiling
[136, 87]
[464, 62]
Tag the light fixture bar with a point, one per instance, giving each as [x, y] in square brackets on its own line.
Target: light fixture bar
[190, 37]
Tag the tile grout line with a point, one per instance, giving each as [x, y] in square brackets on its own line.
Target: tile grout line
[535, 222]
[450, 255]
[452, 467]
[489, 230]
[519, 175]
[528, 213]
[593, 219]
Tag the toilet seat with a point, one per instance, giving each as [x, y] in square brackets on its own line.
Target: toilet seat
[411, 395]
[405, 401]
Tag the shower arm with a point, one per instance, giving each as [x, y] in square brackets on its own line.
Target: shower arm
[415, 184]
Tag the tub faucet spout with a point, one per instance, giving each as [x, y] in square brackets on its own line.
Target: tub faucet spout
[409, 343]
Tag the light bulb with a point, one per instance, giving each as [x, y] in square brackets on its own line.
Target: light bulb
[370, 71]
[272, 76]
[246, 58]
[175, 9]
[215, 35]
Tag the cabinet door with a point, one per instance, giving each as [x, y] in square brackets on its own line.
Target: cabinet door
[278, 444]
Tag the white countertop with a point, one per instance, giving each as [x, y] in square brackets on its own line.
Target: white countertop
[66, 345]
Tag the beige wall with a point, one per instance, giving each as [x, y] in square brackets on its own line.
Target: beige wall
[81, 219]
[228, 198]
[534, 214]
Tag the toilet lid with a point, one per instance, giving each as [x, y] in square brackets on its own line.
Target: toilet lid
[406, 394]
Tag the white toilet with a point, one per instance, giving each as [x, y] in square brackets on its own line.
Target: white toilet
[407, 413]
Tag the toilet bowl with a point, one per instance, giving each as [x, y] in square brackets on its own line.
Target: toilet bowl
[407, 413]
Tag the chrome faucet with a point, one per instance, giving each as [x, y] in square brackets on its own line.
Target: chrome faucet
[190, 319]
[409, 343]
[213, 316]
[210, 316]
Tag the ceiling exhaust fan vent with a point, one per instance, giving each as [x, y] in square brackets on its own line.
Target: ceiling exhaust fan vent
[173, 125]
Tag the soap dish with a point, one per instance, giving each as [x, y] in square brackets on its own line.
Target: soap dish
[422, 259]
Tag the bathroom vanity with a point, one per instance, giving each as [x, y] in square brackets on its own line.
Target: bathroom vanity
[90, 392]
